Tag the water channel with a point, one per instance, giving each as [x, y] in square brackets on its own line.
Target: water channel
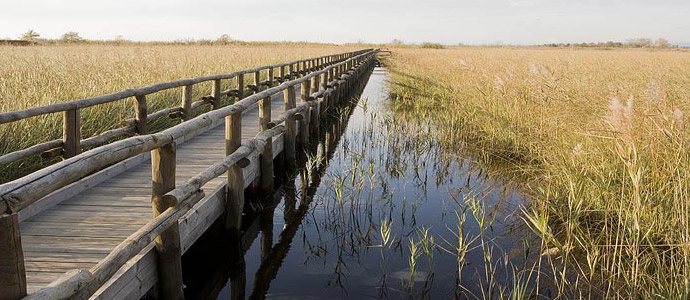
[378, 210]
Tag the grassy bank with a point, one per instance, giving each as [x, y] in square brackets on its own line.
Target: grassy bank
[40, 75]
[599, 138]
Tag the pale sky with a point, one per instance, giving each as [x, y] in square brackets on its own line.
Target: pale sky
[376, 21]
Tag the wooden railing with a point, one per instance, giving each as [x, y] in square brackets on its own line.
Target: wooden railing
[329, 78]
[71, 143]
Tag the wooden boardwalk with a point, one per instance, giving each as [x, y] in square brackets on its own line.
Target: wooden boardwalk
[113, 222]
[81, 230]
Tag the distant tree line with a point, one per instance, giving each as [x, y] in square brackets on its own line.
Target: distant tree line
[631, 43]
[427, 45]
[68, 37]
[33, 37]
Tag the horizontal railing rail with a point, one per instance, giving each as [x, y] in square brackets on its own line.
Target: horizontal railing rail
[6, 117]
[171, 202]
[22, 192]
[72, 144]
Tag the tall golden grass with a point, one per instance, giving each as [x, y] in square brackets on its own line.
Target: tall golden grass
[600, 140]
[40, 75]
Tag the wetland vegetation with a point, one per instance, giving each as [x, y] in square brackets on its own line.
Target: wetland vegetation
[461, 172]
[598, 141]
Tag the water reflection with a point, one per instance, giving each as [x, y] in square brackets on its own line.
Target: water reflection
[377, 210]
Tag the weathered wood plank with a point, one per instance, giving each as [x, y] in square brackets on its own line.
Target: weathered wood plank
[266, 157]
[71, 133]
[141, 112]
[163, 162]
[12, 265]
[187, 100]
[234, 201]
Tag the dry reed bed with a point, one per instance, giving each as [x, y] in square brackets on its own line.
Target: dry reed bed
[33, 76]
[600, 139]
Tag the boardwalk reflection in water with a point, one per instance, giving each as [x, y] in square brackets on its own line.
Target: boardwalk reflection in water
[374, 212]
[216, 267]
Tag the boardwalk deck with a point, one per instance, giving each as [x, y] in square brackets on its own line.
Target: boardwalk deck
[79, 231]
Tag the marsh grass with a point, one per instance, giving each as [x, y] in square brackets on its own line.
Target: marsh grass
[34, 76]
[598, 139]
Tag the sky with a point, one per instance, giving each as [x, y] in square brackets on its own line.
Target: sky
[476, 22]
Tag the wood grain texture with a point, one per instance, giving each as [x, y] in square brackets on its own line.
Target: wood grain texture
[71, 133]
[12, 268]
[163, 163]
[141, 112]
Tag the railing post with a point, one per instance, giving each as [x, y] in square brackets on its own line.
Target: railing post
[163, 163]
[12, 270]
[305, 91]
[331, 76]
[289, 96]
[215, 93]
[324, 87]
[316, 83]
[291, 71]
[240, 87]
[266, 156]
[343, 72]
[315, 110]
[282, 73]
[304, 123]
[234, 201]
[141, 112]
[257, 81]
[303, 130]
[71, 133]
[348, 67]
[270, 77]
[336, 87]
[187, 102]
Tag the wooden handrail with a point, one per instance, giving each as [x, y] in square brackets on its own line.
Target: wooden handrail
[6, 117]
[20, 193]
[70, 145]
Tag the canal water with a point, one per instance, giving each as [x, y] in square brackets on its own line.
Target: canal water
[381, 211]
